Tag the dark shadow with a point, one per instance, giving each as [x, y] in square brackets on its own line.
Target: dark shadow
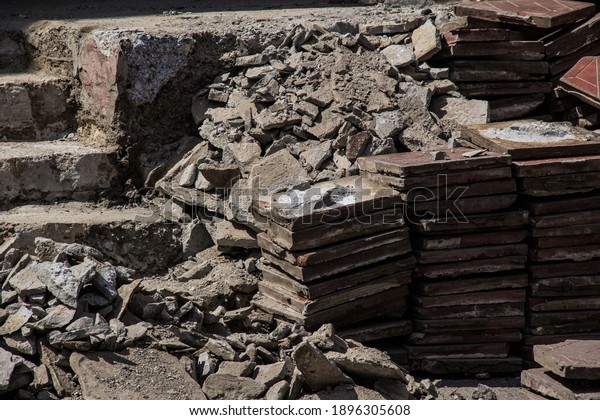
[95, 9]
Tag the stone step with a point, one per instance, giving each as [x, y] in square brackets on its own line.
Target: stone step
[34, 106]
[53, 170]
[136, 237]
[13, 56]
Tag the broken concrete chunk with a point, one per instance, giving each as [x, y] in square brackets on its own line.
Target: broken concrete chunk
[47, 250]
[279, 391]
[389, 124]
[244, 154]
[64, 282]
[16, 320]
[57, 317]
[399, 55]
[188, 176]
[426, 40]
[228, 387]
[252, 60]
[17, 343]
[461, 111]
[14, 374]
[367, 362]
[206, 365]
[318, 371]
[221, 348]
[157, 376]
[26, 283]
[274, 169]
[269, 375]
[314, 157]
[240, 369]
[571, 359]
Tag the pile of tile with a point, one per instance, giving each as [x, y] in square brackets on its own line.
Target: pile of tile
[513, 52]
[336, 252]
[468, 291]
[559, 183]
[570, 370]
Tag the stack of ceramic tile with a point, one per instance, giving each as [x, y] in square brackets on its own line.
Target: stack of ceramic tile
[513, 52]
[468, 291]
[559, 182]
[336, 252]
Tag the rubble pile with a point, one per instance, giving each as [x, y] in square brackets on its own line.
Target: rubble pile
[72, 326]
[513, 53]
[557, 178]
[336, 252]
[311, 106]
[468, 291]
[569, 370]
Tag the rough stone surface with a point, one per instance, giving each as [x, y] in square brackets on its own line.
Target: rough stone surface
[228, 387]
[399, 55]
[426, 40]
[133, 374]
[318, 371]
[367, 362]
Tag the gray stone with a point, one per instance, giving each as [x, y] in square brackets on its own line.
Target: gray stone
[274, 169]
[221, 348]
[318, 371]
[314, 157]
[322, 97]
[202, 183]
[19, 344]
[41, 378]
[16, 320]
[279, 391]
[273, 373]
[269, 120]
[232, 235]
[426, 40]
[206, 365]
[220, 175]
[14, 373]
[399, 55]
[252, 60]
[328, 128]
[200, 106]
[461, 111]
[142, 374]
[218, 96]
[105, 281]
[244, 369]
[244, 154]
[26, 283]
[367, 362]
[47, 250]
[64, 282]
[254, 73]
[389, 124]
[308, 109]
[188, 176]
[228, 387]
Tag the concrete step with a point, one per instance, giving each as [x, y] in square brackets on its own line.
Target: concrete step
[13, 56]
[34, 106]
[135, 237]
[52, 170]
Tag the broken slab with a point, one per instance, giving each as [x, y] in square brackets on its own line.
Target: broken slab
[318, 371]
[367, 362]
[461, 111]
[571, 359]
[227, 387]
[532, 139]
[156, 375]
[582, 81]
[451, 366]
[544, 383]
[426, 41]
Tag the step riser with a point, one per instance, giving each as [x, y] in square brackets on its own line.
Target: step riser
[36, 110]
[13, 56]
[49, 174]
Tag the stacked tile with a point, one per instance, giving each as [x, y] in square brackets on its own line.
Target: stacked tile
[558, 178]
[335, 252]
[468, 291]
[513, 52]
[570, 370]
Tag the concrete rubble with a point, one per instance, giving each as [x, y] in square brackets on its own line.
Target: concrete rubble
[101, 327]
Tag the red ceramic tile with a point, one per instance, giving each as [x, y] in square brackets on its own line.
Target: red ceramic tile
[542, 14]
[583, 80]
